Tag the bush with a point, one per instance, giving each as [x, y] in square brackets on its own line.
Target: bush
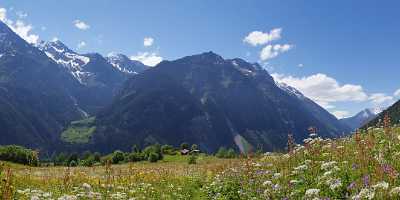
[88, 162]
[156, 149]
[135, 157]
[117, 157]
[153, 157]
[19, 154]
[168, 150]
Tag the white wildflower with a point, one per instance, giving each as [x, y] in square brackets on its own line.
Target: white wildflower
[334, 184]
[301, 168]
[86, 186]
[365, 194]
[381, 185]
[328, 165]
[395, 191]
[267, 183]
[277, 175]
[68, 197]
[311, 193]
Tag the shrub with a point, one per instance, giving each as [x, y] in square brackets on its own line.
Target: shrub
[153, 157]
[117, 157]
[88, 162]
[168, 150]
[135, 157]
[156, 149]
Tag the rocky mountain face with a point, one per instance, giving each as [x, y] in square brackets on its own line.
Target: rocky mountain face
[45, 87]
[210, 101]
[35, 104]
[99, 78]
[361, 118]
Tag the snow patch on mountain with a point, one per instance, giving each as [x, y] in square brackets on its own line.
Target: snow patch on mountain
[64, 56]
[291, 90]
[124, 64]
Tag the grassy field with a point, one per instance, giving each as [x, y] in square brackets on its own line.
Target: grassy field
[79, 131]
[363, 166]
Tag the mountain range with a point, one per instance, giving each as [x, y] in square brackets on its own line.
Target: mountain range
[361, 118]
[203, 99]
[211, 101]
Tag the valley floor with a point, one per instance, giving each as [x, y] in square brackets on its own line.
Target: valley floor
[363, 166]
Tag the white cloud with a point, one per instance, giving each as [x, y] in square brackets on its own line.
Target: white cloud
[81, 44]
[259, 38]
[381, 99]
[272, 51]
[340, 114]
[147, 58]
[397, 93]
[21, 14]
[300, 65]
[19, 27]
[81, 25]
[323, 89]
[3, 14]
[23, 30]
[148, 41]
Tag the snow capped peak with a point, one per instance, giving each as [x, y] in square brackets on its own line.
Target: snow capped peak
[289, 89]
[54, 45]
[61, 54]
[124, 64]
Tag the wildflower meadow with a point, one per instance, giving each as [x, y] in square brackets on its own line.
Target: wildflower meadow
[364, 165]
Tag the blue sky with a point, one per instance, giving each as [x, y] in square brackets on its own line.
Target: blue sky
[342, 54]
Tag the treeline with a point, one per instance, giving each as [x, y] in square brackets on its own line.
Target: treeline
[18, 154]
[152, 153]
[226, 153]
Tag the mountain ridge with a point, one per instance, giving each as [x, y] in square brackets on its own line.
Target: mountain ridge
[215, 100]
